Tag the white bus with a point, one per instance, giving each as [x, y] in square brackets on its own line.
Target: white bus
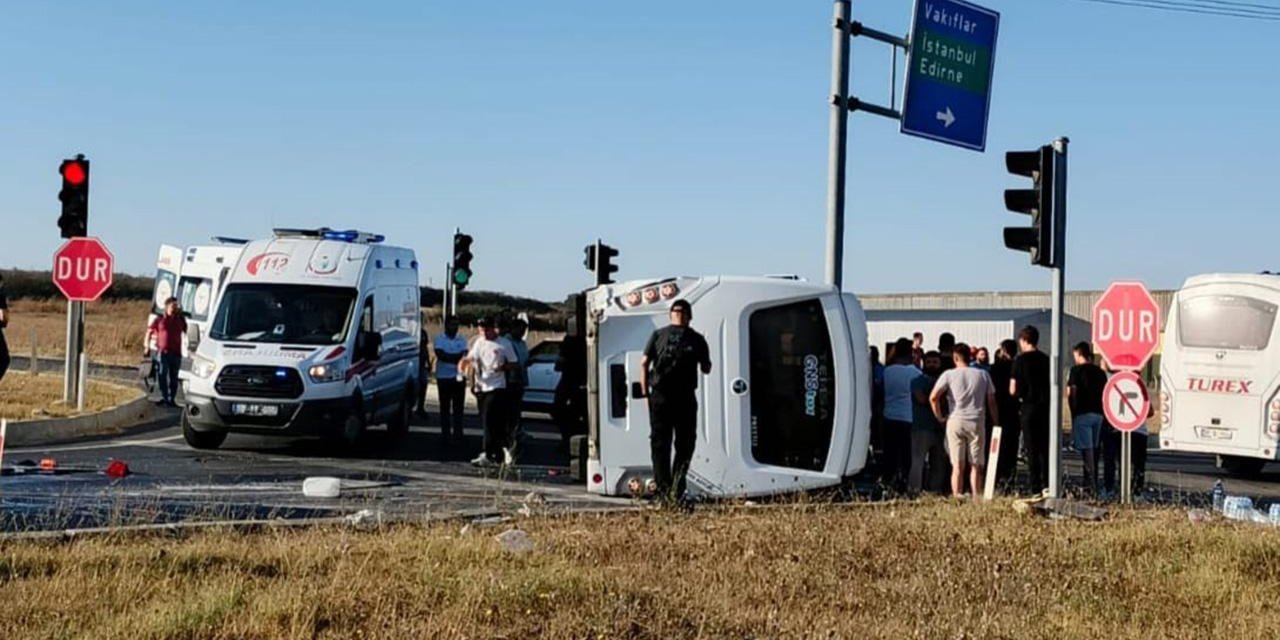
[1220, 370]
[786, 407]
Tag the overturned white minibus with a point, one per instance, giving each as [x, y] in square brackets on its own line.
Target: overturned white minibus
[787, 404]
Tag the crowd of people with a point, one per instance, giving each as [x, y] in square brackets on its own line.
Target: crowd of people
[934, 414]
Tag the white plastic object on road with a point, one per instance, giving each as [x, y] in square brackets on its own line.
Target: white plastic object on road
[322, 487]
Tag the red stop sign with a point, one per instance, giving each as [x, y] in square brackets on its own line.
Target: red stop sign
[1126, 325]
[82, 269]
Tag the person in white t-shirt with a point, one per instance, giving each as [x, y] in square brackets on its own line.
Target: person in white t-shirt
[969, 393]
[897, 414]
[488, 360]
[450, 348]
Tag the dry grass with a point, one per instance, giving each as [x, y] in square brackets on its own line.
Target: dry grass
[928, 570]
[22, 394]
[114, 331]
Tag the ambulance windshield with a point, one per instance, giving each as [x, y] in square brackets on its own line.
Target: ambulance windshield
[284, 314]
[792, 386]
[1225, 322]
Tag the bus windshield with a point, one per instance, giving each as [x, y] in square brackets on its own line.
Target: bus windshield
[792, 386]
[1225, 322]
[284, 314]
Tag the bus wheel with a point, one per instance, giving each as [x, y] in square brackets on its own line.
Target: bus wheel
[201, 439]
[1241, 467]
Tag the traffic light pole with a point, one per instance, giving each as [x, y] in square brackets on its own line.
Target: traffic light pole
[838, 144]
[1056, 332]
[75, 346]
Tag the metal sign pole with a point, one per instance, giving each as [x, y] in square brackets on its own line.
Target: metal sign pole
[838, 144]
[1126, 468]
[69, 364]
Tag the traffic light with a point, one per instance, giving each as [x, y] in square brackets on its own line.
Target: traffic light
[461, 260]
[599, 260]
[605, 268]
[74, 221]
[1037, 202]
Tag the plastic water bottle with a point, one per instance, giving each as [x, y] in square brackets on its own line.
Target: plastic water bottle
[1219, 494]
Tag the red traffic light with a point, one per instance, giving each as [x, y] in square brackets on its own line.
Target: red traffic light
[74, 173]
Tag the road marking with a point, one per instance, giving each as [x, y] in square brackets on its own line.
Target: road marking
[109, 444]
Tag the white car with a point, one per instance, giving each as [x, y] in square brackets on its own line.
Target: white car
[540, 395]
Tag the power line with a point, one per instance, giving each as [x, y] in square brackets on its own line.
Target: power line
[1200, 7]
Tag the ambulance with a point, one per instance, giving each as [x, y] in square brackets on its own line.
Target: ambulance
[195, 276]
[315, 333]
[786, 407]
[1220, 370]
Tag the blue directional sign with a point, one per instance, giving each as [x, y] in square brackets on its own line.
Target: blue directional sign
[948, 88]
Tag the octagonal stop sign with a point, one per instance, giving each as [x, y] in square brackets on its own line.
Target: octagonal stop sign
[82, 269]
[1126, 325]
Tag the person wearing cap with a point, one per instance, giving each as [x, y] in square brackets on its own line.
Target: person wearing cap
[489, 359]
[669, 378]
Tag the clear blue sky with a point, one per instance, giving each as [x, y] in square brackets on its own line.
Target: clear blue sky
[690, 135]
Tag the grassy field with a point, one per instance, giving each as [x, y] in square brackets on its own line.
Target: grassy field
[114, 331]
[924, 570]
[22, 393]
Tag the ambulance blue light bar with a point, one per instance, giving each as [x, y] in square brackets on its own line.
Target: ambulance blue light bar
[351, 235]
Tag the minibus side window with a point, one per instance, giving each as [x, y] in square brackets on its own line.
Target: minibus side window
[792, 386]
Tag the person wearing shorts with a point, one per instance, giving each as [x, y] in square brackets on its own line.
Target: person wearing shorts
[968, 394]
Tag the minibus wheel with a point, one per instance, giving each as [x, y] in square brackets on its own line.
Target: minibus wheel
[201, 439]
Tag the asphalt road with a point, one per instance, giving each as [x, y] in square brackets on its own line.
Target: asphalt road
[257, 477]
[418, 477]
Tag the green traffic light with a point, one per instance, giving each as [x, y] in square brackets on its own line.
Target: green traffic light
[461, 276]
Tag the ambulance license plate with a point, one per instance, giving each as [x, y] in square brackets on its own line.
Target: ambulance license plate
[250, 409]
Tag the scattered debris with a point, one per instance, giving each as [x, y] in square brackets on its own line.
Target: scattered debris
[117, 469]
[1197, 516]
[48, 464]
[321, 487]
[1060, 508]
[365, 518]
[515, 541]
[534, 502]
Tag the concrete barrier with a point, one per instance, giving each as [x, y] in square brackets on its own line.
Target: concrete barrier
[113, 421]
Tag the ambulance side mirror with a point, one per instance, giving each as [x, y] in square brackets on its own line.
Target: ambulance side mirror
[637, 391]
[193, 338]
[370, 345]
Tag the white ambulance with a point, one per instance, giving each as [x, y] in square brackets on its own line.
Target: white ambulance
[1220, 370]
[786, 407]
[195, 276]
[315, 333]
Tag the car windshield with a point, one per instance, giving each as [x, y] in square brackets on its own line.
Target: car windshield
[545, 351]
[284, 314]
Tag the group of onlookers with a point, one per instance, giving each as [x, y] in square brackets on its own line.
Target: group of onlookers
[935, 413]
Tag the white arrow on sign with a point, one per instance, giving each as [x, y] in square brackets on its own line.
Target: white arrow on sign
[946, 117]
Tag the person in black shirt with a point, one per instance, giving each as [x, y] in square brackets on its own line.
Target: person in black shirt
[669, 378]
[1030, 385]
[1084, 397]
[1001, 373]
[4, 322]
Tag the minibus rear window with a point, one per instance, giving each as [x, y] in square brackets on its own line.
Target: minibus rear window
[1226, 322]
[792, 386]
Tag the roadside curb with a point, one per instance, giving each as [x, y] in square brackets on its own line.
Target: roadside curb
[114, 421]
